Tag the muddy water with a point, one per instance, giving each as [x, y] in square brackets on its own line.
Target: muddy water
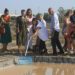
[39, 69]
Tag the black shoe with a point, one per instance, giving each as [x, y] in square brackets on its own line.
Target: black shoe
[29, 49]
[44, 51]
[61, 53]
[55, 54]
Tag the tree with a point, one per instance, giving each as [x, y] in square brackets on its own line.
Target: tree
[61, 13]
[47, 17]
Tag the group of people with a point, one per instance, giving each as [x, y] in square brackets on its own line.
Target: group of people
[29, 26]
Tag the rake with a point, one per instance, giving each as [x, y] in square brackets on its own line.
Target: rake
[22, 60]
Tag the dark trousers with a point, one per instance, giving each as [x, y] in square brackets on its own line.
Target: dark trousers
[56, 43]
[65, 45]
[42, 46]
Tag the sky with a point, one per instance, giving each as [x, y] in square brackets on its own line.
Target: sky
[40, 6]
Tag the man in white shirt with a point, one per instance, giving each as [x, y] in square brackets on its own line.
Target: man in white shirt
[54, 32]
[42, 33]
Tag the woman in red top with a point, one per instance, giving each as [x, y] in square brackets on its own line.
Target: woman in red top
[6, 36]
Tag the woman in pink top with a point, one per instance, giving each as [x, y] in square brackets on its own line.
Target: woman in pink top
[29, 18]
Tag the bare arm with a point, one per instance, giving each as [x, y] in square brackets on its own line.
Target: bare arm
[36, 32]
[68, 24]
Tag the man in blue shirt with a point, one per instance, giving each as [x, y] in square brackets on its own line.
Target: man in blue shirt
[54, 32]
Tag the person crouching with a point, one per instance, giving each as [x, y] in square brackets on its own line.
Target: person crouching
[42, 33]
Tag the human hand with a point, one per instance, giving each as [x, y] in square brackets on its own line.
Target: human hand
[66, 33]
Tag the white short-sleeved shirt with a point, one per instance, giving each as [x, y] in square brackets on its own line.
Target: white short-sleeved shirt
[43, 32]
[54, 24]
[44, 22]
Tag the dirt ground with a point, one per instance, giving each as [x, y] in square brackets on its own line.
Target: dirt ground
[39, 69]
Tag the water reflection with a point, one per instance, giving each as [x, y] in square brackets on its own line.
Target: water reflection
[55, 69]
[40, 69]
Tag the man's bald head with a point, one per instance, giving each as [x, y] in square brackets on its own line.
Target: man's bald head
[50, 11]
